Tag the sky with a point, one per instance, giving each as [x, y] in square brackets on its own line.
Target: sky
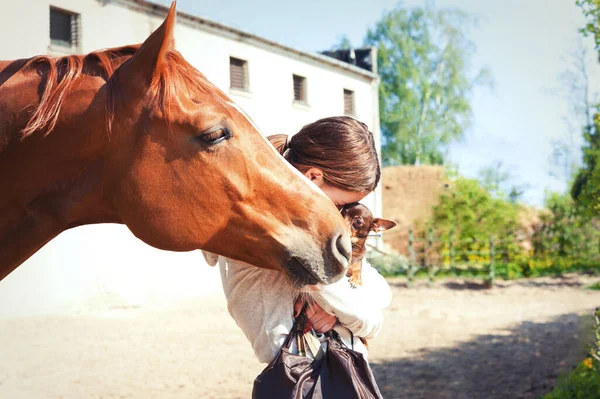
[523, 42]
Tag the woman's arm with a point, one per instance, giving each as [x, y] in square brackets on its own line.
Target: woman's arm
[358, 309]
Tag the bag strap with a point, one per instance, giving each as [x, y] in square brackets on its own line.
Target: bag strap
[336, 337]
[297, 328]
[293, 332]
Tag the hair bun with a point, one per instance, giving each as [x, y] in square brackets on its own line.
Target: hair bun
[287, 147]
[288, 143]
[281, 142]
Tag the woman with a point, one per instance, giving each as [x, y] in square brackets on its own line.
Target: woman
[338, 155]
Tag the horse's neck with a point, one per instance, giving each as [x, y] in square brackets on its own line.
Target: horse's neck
[15, 90]
[57, 201]
[50, 183]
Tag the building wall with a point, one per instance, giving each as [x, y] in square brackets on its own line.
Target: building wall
[106, 261]
[409, 195]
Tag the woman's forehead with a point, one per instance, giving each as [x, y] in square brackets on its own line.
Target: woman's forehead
[348, 197]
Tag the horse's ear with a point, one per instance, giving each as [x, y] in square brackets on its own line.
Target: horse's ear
[151, 55]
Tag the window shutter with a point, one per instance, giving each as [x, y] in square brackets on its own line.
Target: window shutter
[238, 73]
[299, 88]
[64, 28]
[60, 28]
[75, 30]
[348, 102]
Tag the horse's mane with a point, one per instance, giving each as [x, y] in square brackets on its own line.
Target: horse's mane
[61, 74]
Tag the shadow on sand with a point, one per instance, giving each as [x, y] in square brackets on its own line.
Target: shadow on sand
[474, 284]
[521, 362]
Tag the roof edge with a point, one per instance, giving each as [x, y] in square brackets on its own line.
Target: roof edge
[162, 10]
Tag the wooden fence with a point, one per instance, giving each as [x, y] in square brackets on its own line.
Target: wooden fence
[512, 253]
[434, 254]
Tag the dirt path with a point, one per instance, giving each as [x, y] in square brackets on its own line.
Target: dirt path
[452, 341]
[461, 341]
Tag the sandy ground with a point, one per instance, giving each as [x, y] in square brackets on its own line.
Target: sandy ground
[455, 340]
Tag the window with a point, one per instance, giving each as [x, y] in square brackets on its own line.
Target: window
[300, 89]
[238, 74]
[64, 28]
[348, 102]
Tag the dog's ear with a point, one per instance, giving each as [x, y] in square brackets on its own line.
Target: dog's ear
[382, 224]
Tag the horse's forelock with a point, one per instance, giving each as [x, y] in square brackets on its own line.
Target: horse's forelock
[176, 75]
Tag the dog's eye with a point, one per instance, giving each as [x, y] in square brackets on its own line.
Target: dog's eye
[358, 223]
[216, 136]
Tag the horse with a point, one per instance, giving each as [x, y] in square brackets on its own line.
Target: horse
[136, 135]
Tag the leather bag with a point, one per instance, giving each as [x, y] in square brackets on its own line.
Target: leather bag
[335, 372]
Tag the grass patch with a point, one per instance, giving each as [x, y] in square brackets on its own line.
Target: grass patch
[584, 381]
[581, 383]
[595, 286]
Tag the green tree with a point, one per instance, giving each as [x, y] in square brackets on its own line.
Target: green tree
[591, 11]
[565, 232]
[499, 182]
[493, 178]
[472, 213]
[426, 85]
[575, 88]
[586, 187]
[343, 43]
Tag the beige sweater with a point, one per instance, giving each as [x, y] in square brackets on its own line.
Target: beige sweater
[262, 304]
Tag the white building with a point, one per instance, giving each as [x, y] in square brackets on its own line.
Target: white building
[281, 88]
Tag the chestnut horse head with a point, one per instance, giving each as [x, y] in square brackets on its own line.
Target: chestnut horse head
[136, 135]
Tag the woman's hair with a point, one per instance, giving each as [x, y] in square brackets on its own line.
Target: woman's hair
[342, 147]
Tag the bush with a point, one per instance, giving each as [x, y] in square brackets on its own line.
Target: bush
[508, 271]
[566, 233]
[584, 381]
[471, 215]
[388, 265]
[595, 286]
[538, 266]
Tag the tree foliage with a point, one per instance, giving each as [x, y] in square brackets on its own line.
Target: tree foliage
[471, 213]
[343, 43]
[591, 11]
[499, 182]
[586, 187]
[576, 89]
[565, 231]
[424, 59]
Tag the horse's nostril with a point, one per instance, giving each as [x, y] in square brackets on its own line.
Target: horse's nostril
[344, 246]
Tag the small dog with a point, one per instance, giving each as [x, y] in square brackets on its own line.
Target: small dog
[361, 222]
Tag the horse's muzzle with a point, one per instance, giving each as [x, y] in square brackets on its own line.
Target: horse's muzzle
[324, 268]
[341, 250]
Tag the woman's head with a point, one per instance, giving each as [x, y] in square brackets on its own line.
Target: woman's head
[337, 153]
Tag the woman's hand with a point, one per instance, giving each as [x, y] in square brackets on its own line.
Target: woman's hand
[320, 320]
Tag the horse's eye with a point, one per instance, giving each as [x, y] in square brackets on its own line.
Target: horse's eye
[216, 136]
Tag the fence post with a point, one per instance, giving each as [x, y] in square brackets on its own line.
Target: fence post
[429, 263]
[411, 257]
[451, 250]
[492, 256]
